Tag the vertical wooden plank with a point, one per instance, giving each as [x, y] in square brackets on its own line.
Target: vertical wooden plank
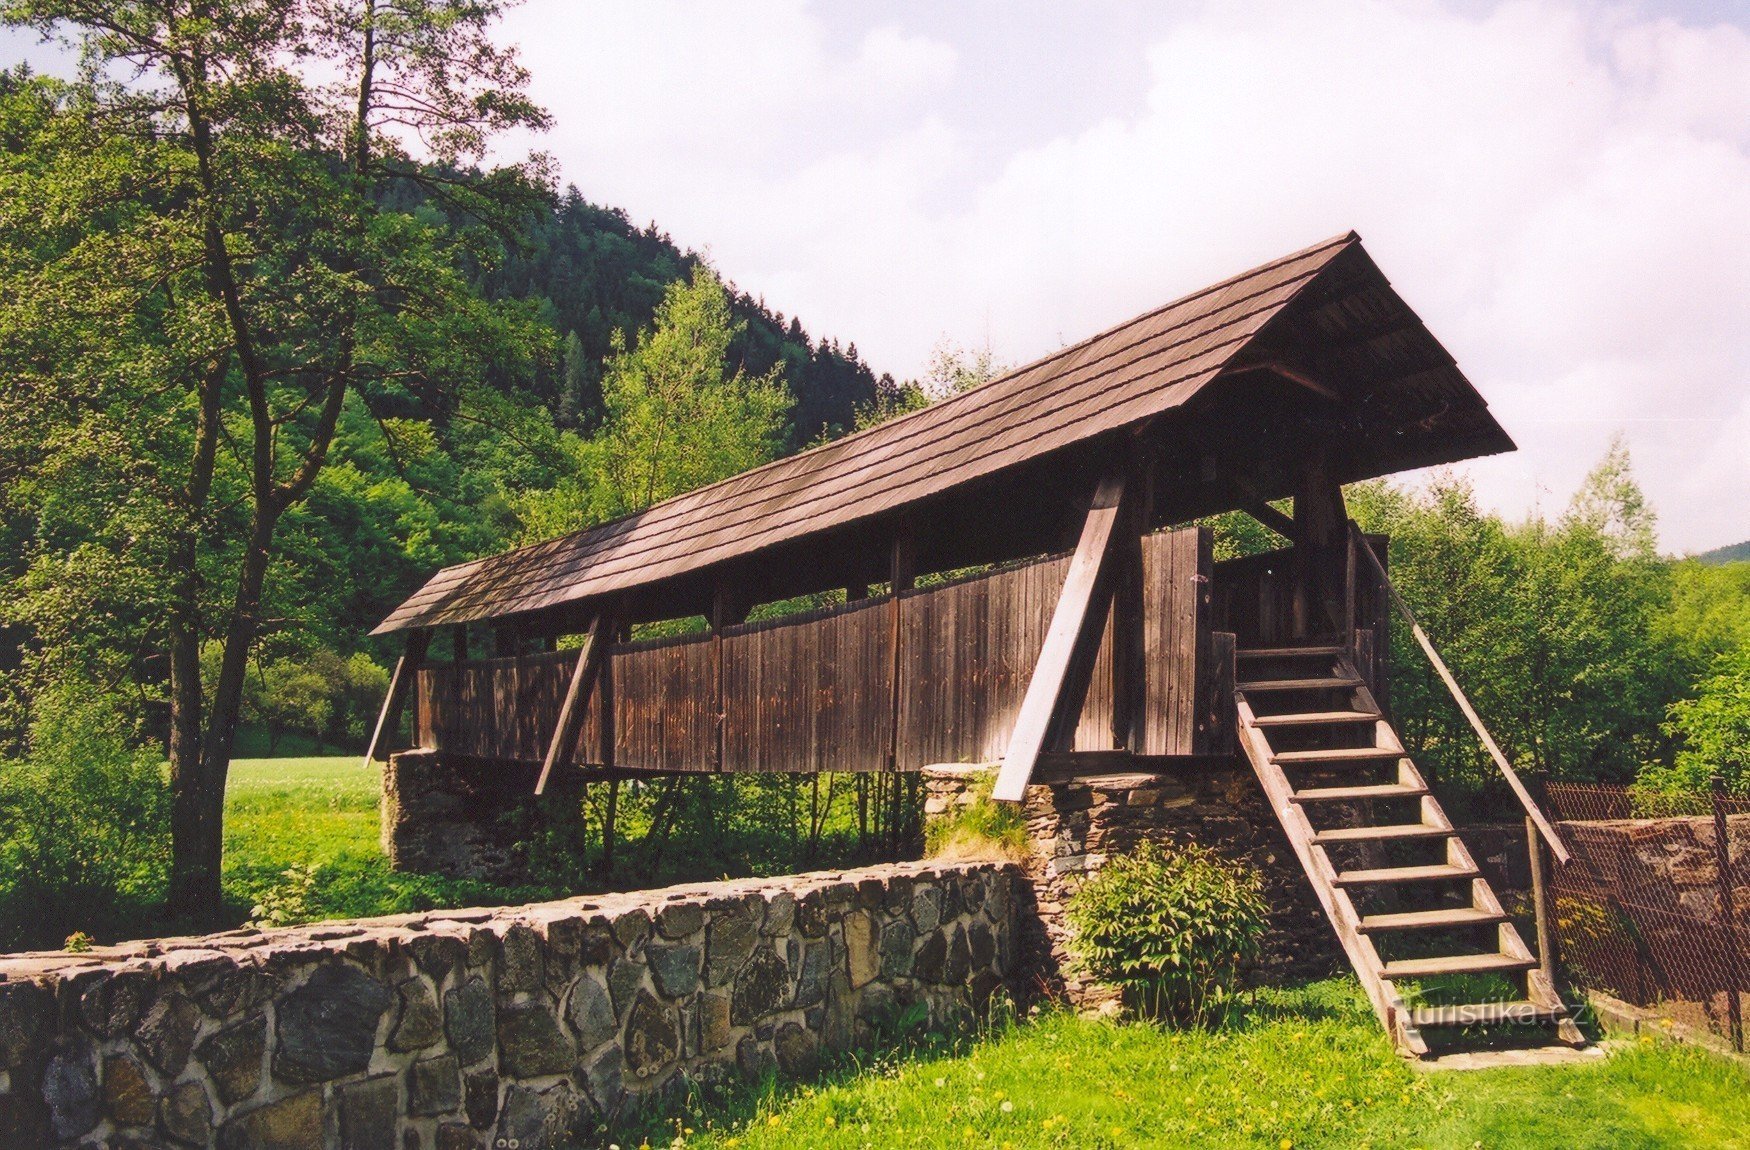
[1200, 554]
[1380, 545]
[901, 572]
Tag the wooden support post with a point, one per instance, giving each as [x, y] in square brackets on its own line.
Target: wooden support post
[609, 820]
[589, 658]
[1129, 657]
[726, 611]
[605, 698]
[1541, 904]
[901, 576]
[1074, 624]
[1728, 915]
[1321, 524]
[401, 684]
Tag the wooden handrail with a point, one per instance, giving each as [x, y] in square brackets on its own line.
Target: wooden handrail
[1532, 810]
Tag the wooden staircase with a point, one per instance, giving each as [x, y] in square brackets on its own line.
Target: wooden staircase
[1402, 891]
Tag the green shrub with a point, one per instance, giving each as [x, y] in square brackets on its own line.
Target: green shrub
[980, 827]
[1173, 930]
[84, 826]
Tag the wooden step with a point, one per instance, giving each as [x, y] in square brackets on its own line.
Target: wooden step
[1431, 919]
[1435, 873]
[1336, 755]
[1315, 718]
[1330, 683]
[1342, 794]
[1288, 652]
[1486, 1014]
[1380, 834]
[1455, 964]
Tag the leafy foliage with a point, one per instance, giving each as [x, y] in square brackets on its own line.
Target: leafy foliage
[1713, 730]
[84, 825]
[1173, 928]
[1558, 631]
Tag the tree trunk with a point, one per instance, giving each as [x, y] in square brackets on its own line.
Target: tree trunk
[197, 812]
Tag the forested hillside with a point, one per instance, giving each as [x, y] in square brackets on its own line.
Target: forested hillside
[592, 273]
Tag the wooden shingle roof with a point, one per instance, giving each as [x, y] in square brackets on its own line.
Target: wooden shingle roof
[1114, 380]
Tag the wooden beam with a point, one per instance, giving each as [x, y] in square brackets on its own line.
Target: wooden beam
[1073, 625]
[589, 658]
[1292, 375]
[400, 684]
[1129, 657]
[1271, 518]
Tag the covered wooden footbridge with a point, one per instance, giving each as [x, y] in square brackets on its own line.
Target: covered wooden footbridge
[1018, 588]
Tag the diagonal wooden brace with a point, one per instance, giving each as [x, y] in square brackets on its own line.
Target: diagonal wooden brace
[1076, 624]
[400, 684]
[583, 676]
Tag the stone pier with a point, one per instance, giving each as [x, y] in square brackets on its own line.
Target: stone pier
[1073, 828]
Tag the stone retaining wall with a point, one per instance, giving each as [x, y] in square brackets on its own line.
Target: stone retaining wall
[461, 1030]
[1073, 828]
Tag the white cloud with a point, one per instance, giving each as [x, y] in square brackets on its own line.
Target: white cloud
[1562, 193]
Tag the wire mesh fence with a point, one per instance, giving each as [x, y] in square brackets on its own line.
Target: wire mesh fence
[1651, 908]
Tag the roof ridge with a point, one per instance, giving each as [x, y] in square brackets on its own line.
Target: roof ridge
[937, 410]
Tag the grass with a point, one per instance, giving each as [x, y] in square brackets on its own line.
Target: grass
[1307, 1067]
[316, 817]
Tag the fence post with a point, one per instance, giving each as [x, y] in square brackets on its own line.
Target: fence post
[1728, 913]
[1542, 905]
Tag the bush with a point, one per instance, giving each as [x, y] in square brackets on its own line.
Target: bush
[84, 826]
[1173, 930]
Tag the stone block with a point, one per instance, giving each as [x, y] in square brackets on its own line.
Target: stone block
[625, 980]
[521, 966]
[926, 908]
[127, 1096]
[70, 1089]
[653, 1036]
[590, 1013]
[679, 920]
[729, 940]
[369, 1113]
[166, 1034]
[232, 1058]
[797, 1050]
[539, 1119]
[469, 1021]
[674, 968]
[418, 1021]
[327, 1028]
[896, 949]
[291, 1123]
[714, 1025]
[434, 1086]
[861, 949]
[780, 915]
[480, 1098]
[762, 987]
[530, 1043]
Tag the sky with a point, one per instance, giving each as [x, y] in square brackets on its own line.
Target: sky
[1560, 190]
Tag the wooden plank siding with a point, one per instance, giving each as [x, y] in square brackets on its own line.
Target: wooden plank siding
[815, 691]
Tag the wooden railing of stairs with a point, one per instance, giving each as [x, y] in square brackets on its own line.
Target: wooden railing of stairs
[1401, 889]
